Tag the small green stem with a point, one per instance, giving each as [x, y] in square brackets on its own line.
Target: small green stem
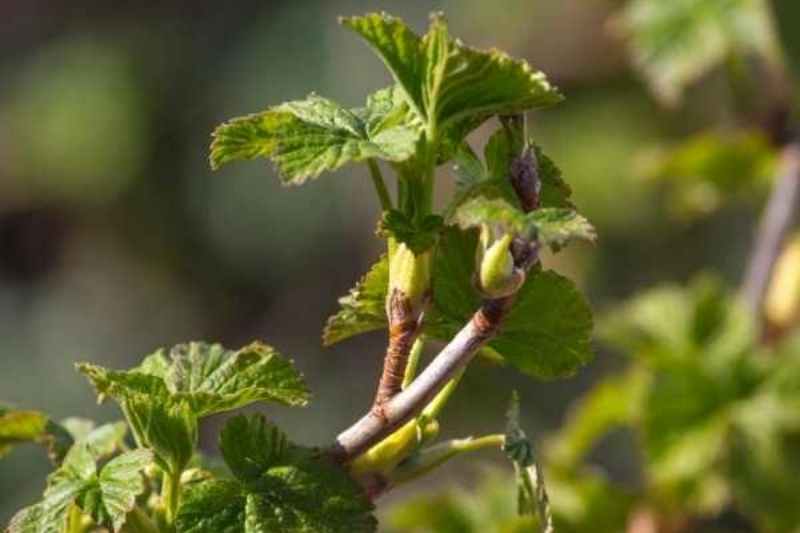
[433, 457]
[413, 361]
[170, 495]
[436, 405]
[380, 185]
[75, 519]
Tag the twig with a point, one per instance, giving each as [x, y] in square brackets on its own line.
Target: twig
[396, 409]
[783, 205]
[373, 427]
[404, 328]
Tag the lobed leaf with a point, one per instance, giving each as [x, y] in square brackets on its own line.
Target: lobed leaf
[107, 497]
[450, 85]
[164, 397]
[305, 138]
[278, 487]
[112, 495]
[212, 379]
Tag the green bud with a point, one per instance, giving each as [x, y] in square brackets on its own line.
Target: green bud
[387, 454]
[410, 274]
[497, 275]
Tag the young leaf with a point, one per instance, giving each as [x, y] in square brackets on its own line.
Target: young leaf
[212, 379]
[554, 227]
[49, 515]
[532, 496]
[18, 426]
[399, 48]
[157, 420]
[251, 445]
[675, 43]
[164, 398]
[107, 497]
[546, 334]
[111, 495]
[363, 309]
[102, 441]
[418, 236]
[278, 487]
[308, 137]
[449, 85]
[490, 179]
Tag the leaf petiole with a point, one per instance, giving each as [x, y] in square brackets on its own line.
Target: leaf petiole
[380, 185]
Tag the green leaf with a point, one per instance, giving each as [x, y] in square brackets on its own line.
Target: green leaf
[675, 43]
[547, 332]
[49, 515]
[20, 426]
[532, 496]
[307, 137]
[158, 421]
[448, 84]
[490, 179]
[554, 227]
[399, 48]
[212, 379]
[251, 445]
[107, 497]
[279, 487]
[103, 441]
[112, 494]
[418, 236]
[214, 506]
[363, 309]
[164, 397]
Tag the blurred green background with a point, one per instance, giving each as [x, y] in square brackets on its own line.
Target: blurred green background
[116, 238]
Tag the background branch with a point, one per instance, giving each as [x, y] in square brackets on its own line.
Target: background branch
[781, 210]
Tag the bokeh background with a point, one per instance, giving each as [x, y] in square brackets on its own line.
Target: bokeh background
[117, 239]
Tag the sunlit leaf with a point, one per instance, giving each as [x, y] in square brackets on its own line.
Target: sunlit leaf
[308, 137]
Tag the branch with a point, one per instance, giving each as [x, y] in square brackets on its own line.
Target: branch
[375, 426]
[404, 327]
[393, 410]
[783, 205]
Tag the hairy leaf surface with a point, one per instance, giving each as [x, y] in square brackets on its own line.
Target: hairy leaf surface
[278, 487]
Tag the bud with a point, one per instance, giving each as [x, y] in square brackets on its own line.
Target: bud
[497, 275]
[410, 274]
[782, 302]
